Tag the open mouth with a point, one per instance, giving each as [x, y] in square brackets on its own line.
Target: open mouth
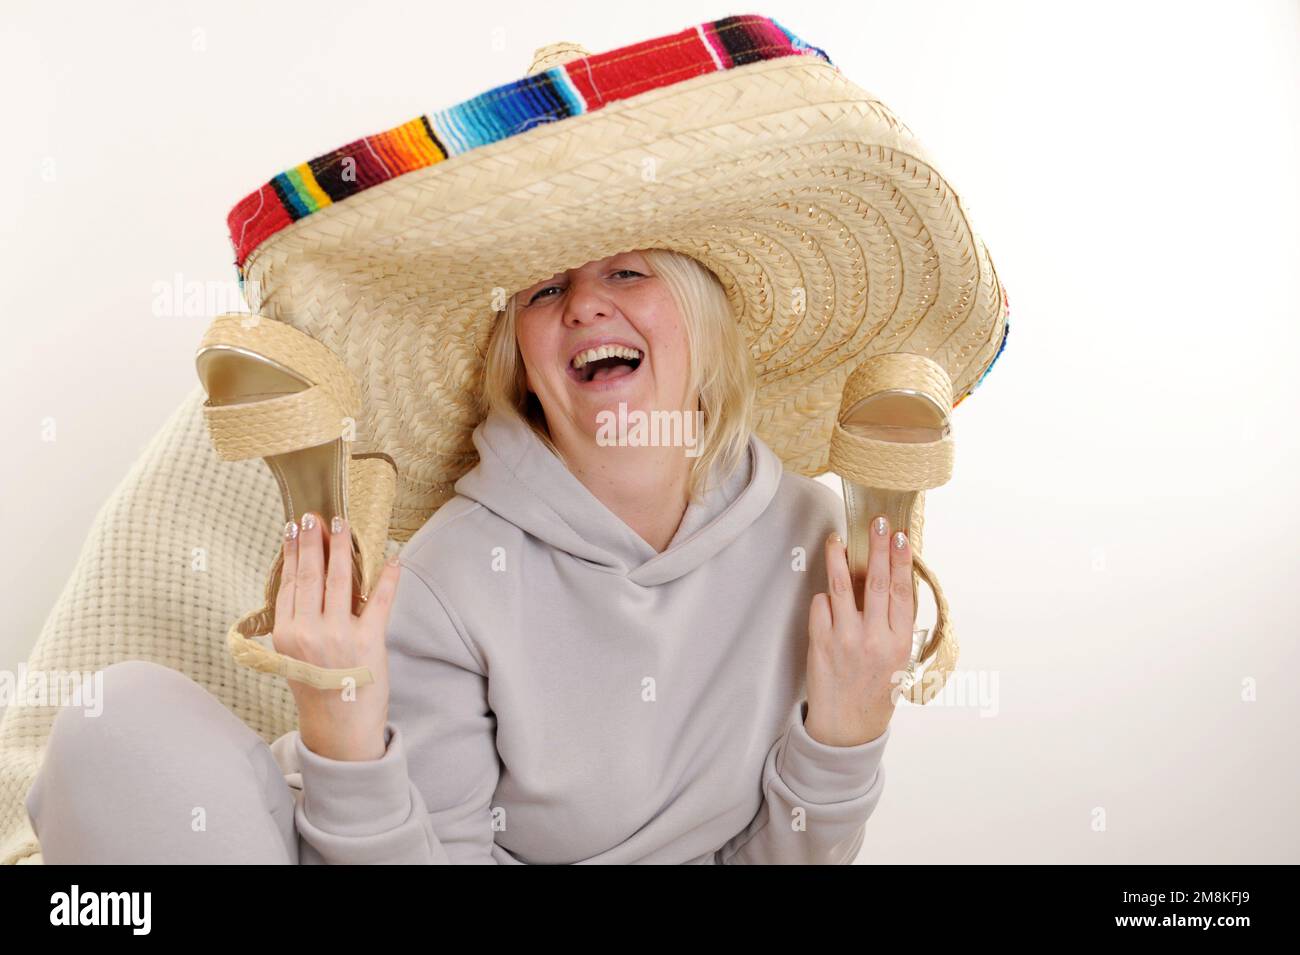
[605, 364]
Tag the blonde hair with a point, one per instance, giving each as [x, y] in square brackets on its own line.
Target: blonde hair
[721, 367]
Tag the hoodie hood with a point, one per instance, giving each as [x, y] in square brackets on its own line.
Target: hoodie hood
[519, 479]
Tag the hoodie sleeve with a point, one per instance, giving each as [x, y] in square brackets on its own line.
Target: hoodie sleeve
[816, 801]
[427, 800]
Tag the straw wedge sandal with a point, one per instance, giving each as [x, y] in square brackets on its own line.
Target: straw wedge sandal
[890, 444]
[278, 394]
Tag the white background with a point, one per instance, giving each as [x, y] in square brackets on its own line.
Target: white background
[1119, 539]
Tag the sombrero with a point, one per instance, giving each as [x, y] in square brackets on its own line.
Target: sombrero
[732, 141]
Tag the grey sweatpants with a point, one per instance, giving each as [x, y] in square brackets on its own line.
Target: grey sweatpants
[164, 774]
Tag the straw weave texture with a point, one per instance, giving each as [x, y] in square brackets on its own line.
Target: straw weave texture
[834, 237]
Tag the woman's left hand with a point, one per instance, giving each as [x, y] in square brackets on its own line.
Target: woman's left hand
[855, 656]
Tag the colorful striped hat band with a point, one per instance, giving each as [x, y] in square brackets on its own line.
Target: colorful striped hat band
[733, 141]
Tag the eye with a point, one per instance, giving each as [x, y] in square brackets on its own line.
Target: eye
[538, 294]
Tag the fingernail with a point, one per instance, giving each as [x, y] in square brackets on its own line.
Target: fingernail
[290, 530]
[336, 524]
[394, 559]
[881, 525]
[900, 540]
[837, 538]
[308, 521]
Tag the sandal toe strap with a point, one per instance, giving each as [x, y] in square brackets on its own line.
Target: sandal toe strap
[892, 465]
[258, 429]
[279, 423]
[894, 371]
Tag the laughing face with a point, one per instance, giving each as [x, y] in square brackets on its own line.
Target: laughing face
[605, 333]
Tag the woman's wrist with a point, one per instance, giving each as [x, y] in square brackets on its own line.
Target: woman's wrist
[367, 746]
[854, 731]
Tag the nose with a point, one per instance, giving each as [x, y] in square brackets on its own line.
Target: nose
[586, 304]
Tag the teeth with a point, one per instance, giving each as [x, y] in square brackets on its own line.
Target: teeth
[604, 351]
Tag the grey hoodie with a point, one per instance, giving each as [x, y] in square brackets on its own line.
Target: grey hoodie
[562, 693]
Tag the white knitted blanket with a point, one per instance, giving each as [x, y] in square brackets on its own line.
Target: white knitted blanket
[177, 552]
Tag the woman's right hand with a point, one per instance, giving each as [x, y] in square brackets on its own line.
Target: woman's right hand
[314, 622]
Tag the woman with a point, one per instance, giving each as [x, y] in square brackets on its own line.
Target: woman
[600, 646]
[596, 652]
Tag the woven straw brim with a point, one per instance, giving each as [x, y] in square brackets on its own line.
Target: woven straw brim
[833, 234]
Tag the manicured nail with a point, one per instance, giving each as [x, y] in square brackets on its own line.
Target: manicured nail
[837, 538]
[336, 524]
[290, 530]
[881, 525]
[900, 540]
[308, 521]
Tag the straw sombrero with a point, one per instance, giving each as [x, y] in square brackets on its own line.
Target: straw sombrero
[732, 141]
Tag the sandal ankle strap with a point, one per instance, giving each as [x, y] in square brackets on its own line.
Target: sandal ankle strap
[940, 650]
[249, 653]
